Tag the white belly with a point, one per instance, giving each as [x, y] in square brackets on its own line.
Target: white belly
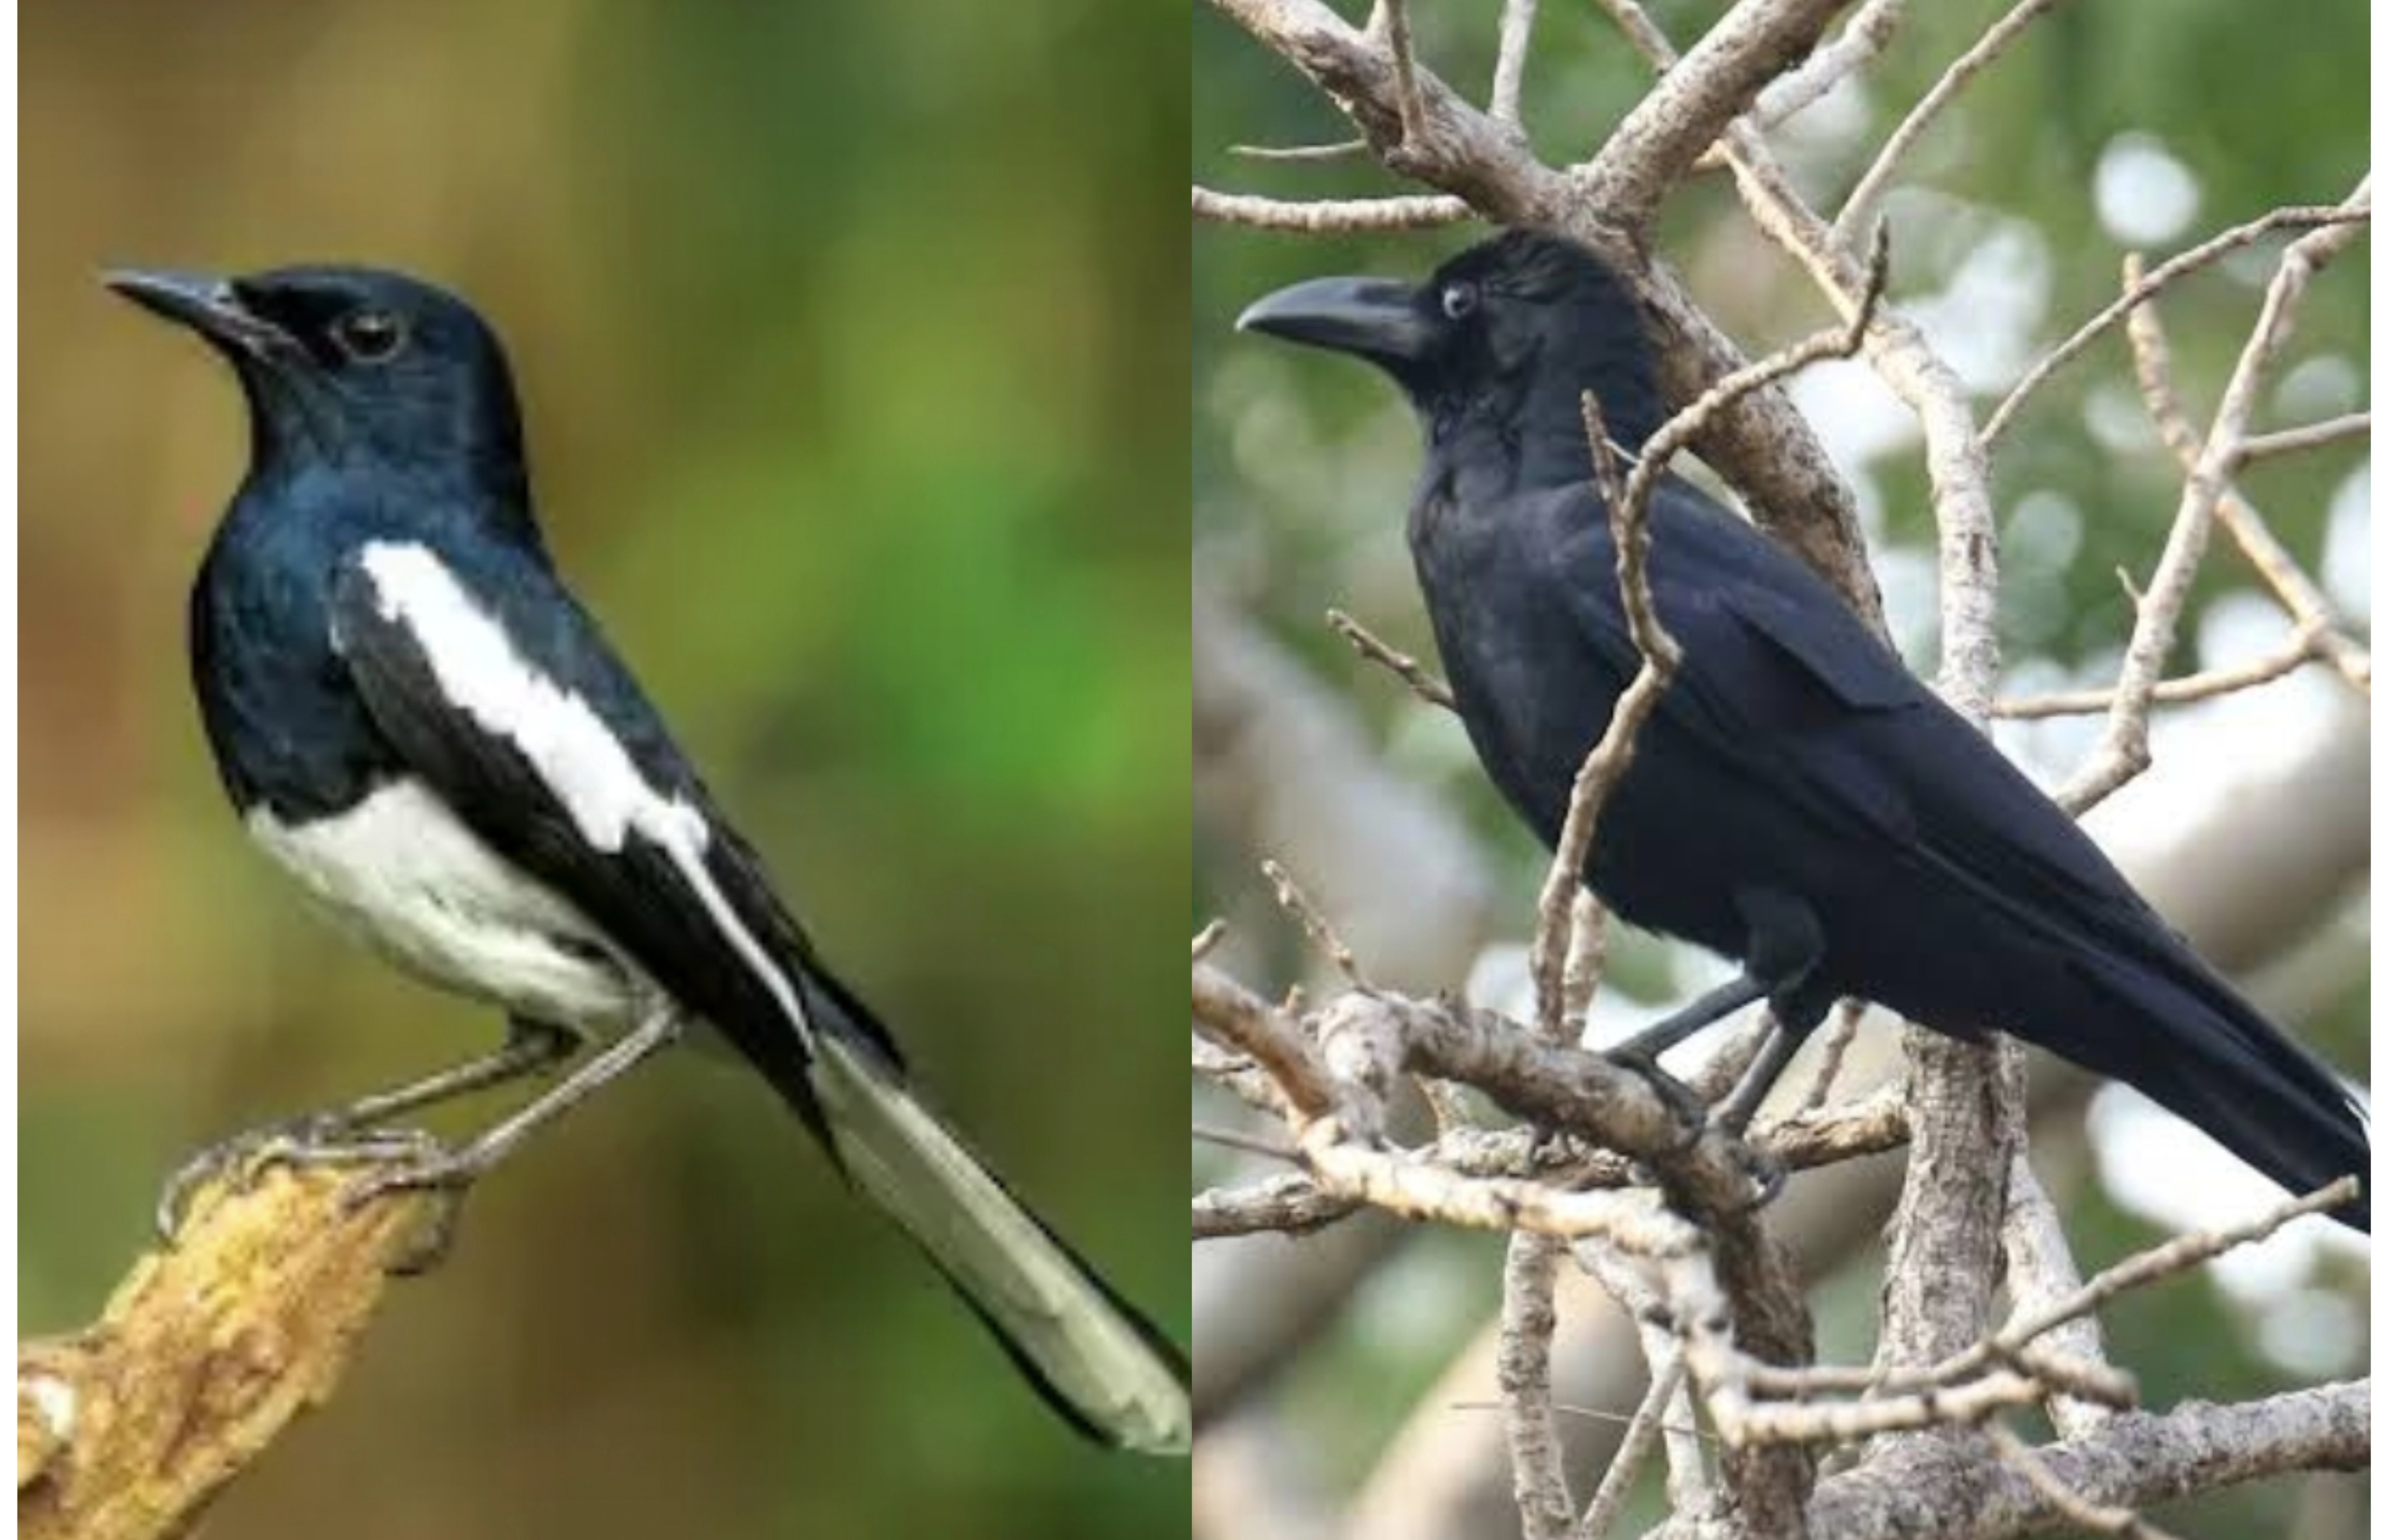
[403, 874]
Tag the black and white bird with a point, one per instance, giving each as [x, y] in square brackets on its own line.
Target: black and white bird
[416, 720]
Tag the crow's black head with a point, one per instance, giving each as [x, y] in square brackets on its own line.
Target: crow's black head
[346, 364]
[1496, 349]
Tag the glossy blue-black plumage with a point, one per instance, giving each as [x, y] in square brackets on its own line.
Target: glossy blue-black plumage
[1794, 765]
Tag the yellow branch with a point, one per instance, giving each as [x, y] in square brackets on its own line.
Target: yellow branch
[125, 1431]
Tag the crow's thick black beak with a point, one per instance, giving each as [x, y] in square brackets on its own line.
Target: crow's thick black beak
[1370, 318]
[210, 306]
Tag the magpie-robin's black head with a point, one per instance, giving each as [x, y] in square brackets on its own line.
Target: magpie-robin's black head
[343, 363]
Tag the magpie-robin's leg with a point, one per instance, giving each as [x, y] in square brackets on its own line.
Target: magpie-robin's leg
[351, 1133]
[450, 1172]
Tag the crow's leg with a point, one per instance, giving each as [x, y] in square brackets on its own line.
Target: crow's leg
[1785, 943]
[1792, 1026]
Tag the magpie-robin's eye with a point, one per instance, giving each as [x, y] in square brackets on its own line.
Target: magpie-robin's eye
[1459, 300]
[368, 337]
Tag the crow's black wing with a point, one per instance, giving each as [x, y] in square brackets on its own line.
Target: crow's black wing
[1781, 676]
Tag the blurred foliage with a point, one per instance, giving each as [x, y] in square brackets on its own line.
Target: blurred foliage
[1302, 464]
[848, 339]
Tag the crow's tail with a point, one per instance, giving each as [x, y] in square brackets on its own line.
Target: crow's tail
[2176, 1031]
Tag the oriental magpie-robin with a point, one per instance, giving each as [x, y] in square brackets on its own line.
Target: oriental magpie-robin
[416, 720]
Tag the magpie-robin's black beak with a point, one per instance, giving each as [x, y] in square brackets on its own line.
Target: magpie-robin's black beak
[211, 307]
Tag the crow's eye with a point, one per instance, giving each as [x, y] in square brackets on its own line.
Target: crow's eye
[369, 335]
[1459, 301]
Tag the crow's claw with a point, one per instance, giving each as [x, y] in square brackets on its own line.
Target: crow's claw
[1691, 1114]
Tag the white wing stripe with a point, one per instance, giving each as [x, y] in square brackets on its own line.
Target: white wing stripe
[569, 747]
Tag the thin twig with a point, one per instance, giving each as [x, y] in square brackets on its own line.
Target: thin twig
[1676, 433]
[2352, 428]
[1611, 755]
[1628, 510]
[1291, 1203]
[2297, 593]
[1641, 1435]
[2121, 752]
[2143, 287]
[1233, 1139]
[1858, 211]
[1834, 1052]
[1428, 688]
[1860, 42]
[1395, 16]
[1314, 924]
[1239, 1077]
[1686, 1427]
[2301, 647]
[2175, 1256]
[1329, 217]
[1586, 963]
[1642, 1299]
[1509, 71]
[1344, 150]
[2074, 1508]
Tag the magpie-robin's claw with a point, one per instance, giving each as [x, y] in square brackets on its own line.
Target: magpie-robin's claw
[442, 1177]
[315, 1139]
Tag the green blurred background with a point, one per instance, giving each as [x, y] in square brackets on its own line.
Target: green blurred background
[849, 340]
[2148, 122]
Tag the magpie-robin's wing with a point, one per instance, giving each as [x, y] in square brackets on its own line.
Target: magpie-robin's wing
[499, 694]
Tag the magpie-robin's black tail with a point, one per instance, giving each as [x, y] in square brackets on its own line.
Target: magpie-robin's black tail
[1097, 1362]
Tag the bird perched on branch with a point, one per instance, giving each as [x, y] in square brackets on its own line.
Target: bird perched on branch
[1798, 801]
[415, 718]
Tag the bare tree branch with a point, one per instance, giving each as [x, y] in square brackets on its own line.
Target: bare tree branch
[2354, 427]
[1641, 1435]
[2301, 646]
[1672, 126]
[2122, 751]
[2136, 292]
[1857, 214]
[2066, 1502]
[2297, 593]
[2134, 1461]
[1860, 42]
[1509, 72]
[206, 1353]
[1528, 1321]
